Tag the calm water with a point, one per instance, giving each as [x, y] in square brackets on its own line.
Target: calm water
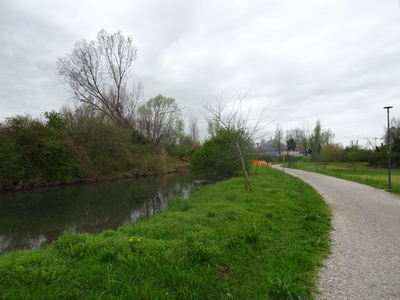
[29, 219]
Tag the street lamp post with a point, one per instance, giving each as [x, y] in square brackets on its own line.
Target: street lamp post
[388, 145]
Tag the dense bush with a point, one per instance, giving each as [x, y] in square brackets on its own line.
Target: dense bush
[33, 153]
[379, 158]
[72, 146]
[219, 158]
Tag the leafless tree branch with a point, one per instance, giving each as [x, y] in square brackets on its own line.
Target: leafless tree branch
[97, 73]
[234, 118]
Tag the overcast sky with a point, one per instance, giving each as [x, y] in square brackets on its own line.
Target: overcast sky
[333, 60]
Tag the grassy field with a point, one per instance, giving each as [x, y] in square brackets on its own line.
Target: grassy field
[222, 243]
[358, 172]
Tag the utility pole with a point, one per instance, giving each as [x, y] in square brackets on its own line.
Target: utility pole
[388, 145]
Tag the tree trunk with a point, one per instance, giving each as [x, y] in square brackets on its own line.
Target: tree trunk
[246, 176]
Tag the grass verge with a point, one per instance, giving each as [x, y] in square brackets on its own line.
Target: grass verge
[222, 243]
[357, 172]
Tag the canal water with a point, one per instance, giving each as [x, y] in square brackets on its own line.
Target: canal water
[30, 219]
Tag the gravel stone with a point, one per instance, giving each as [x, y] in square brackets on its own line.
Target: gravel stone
[365, 241]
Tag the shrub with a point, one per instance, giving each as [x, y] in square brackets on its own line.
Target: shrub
[218, 158]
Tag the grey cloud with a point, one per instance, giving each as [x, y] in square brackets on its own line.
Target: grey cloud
[334, 60]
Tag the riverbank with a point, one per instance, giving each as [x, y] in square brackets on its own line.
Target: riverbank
[221, 243]
[178, 168]
[83, 147]
[33, 218]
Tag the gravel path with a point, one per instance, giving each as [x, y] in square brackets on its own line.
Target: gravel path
[365, 259]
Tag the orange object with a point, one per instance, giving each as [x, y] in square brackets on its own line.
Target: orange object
[260, 163]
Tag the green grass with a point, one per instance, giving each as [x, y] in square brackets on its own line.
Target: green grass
[358, 172]
[222, 243]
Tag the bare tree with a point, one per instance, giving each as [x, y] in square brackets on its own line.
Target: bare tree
[233, 117]
[394, 131]
[97, 73]
[297, 135]
[235, 120]
[213, 125]
[305, 136]
[327, 137]
[194, 130]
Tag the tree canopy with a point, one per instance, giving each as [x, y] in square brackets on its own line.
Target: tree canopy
[291, 144]
[160, 119]
[97, 74]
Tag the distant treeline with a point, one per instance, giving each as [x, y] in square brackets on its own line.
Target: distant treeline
[81, 145]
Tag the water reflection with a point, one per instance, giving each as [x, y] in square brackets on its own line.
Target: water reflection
[29, 219]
